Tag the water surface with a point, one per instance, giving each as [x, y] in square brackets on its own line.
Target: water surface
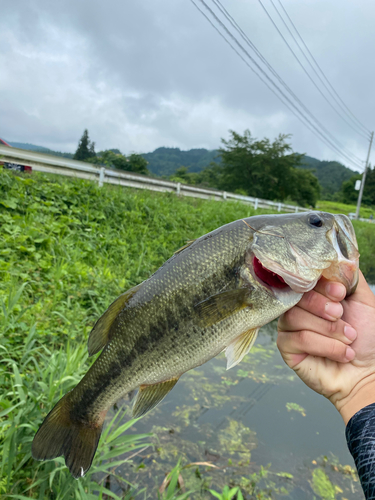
[257, 423]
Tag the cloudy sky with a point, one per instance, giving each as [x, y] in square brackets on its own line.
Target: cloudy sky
[140, 74]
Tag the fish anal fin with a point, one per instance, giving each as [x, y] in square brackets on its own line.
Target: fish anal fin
[99, 335]
[222, 305]
[185, 246]
[240, 346]
[150, 395]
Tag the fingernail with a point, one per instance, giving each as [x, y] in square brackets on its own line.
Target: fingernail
[350, 333]
[336, 290]
[334, 309]
[350, 354]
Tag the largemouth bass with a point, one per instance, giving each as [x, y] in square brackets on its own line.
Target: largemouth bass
[212, 295]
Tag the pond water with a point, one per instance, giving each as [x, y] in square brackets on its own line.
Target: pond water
[256, 425]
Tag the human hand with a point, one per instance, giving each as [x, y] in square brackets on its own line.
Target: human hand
[331, 345]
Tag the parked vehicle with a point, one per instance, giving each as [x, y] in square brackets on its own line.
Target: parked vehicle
[13, 166]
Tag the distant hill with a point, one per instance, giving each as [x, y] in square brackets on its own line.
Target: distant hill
[40, 149]
[165, 161]
[331, 174]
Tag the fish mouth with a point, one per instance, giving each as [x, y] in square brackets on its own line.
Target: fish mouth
[267, 276]
[346, 269]
[271, 273]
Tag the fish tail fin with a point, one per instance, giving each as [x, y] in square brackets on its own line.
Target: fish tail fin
[60, 435]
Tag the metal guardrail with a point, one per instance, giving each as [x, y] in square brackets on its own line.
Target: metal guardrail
[352, 216]
[42, 162]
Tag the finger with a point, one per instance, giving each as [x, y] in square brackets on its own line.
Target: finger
[296, 319]
[318, 304]
[332, 290]
[294, 344]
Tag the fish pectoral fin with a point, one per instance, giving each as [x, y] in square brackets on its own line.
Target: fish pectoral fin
[150, 395]
[185, 246]
[240, 346]
[99, 335]
[222, 305]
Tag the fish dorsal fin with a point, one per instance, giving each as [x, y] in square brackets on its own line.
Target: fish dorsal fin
[222, 305]
[99, 335]
[185, 246]
[240, 346]
[150, 395]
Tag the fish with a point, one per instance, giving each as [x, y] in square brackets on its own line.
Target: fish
[212, 295]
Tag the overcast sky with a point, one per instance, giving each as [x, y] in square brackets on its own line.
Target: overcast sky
[140, 74]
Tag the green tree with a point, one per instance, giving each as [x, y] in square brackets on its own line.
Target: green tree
[259, 167]
[207, 178]
[211, 176]
[306, 188]
[86, 149]
[369, 191]
[349, 195]
[183, 175]
[138, 164]
[111, 159]
[266, 169]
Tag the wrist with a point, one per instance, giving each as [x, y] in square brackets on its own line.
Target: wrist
[362, 394]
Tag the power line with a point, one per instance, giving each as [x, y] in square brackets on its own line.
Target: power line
[365, 129]
[303, 67]
[284, 98]
[253, 47]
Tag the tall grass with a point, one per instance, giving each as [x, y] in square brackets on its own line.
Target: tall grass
[335, 207]
[35, 378]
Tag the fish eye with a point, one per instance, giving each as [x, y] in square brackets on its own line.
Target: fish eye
[315, 220]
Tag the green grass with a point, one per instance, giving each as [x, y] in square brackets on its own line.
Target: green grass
[335, 207]
[67, 249]
[365, 233]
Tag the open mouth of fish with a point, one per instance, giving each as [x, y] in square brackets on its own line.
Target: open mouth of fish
[275, 277]
[345, 272]
[266, 276]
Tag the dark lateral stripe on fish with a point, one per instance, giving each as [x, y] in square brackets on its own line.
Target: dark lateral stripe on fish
[83, 409]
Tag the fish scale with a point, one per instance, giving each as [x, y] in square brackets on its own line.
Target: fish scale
[206, 298]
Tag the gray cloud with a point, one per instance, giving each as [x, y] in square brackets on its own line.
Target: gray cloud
[150, 73]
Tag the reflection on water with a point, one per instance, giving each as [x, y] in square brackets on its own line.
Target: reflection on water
[256, 425]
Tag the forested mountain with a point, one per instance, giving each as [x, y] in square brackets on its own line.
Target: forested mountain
[330, 174]
[40, 149]
[165, 161]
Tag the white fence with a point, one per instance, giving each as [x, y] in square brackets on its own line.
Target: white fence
[57, 165]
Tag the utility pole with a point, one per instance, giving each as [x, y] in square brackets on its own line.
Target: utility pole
[363, 179]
